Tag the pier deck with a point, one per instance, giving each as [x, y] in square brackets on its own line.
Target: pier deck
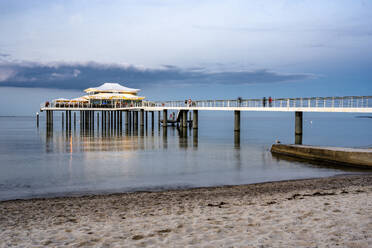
[348, 104]
[112, 115]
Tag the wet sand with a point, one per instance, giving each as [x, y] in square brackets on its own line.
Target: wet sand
[327, 212]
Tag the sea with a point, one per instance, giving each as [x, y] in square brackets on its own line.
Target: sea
[38, 162]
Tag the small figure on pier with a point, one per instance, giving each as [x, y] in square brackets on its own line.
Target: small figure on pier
[239, 101]
[264, 101]
[270, 101]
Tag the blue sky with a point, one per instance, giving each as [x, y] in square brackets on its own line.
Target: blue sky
[180, 49]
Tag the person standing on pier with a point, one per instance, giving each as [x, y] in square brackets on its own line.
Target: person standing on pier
[270, 101]
[264, 101]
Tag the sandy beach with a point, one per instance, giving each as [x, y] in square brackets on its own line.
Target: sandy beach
[327, 212]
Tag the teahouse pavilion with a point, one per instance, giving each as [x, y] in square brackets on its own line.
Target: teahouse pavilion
[113, 94]
[107, 95]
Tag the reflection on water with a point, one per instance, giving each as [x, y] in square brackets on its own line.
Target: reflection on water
[58, 161]
[120, 139]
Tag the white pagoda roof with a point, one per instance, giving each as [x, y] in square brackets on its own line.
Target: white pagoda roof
[112, 88]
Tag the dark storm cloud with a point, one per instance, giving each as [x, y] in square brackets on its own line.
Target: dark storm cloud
[83, 75]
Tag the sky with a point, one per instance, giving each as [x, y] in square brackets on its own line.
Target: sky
[180, 49]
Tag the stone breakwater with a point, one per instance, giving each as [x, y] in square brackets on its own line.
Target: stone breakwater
[325, 212]
[336, 155]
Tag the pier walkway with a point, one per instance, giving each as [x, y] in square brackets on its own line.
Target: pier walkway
[350, 104]
[112, 115]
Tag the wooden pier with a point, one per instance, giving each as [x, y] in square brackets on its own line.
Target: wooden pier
[136, 114]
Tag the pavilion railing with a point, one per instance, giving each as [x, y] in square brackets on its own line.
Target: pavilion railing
[77, 105]
[312, 102]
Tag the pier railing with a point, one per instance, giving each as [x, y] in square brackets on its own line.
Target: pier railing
[312, 102]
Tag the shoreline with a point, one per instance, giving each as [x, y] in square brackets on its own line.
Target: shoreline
[328, 211]
[89, 194]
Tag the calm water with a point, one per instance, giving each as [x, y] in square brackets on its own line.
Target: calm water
[34, 163]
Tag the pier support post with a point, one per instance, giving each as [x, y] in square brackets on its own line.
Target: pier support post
[195, 119]
[111, 119]
[146, 118]
[107, 120]
[66, 112]
[63, 120]
[298, 127]
[98, 121]
[184, 118]
[49, 119]
[86, 119]
[130, 117]
[66, 119]
[115, 119]
[181, 118]
[165, 116]
[195, 137]
[152, 119]
[89, 117]
[121, 120]
[142, 127]
[118, 119]
[236, 140]
[74, 120]
[126, 119]
[236, 120]
[69, 118]
[102, 119]
[89, 120]
[135, 120]
[92, 114]
[142, 117]
[159, 119]
[81, 119]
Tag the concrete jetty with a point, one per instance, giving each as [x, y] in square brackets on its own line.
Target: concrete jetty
[337, 155]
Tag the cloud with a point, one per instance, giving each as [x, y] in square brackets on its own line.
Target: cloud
[234, 29]
[350, 30]
[6, 74]
[76, 72]
[64, 75]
